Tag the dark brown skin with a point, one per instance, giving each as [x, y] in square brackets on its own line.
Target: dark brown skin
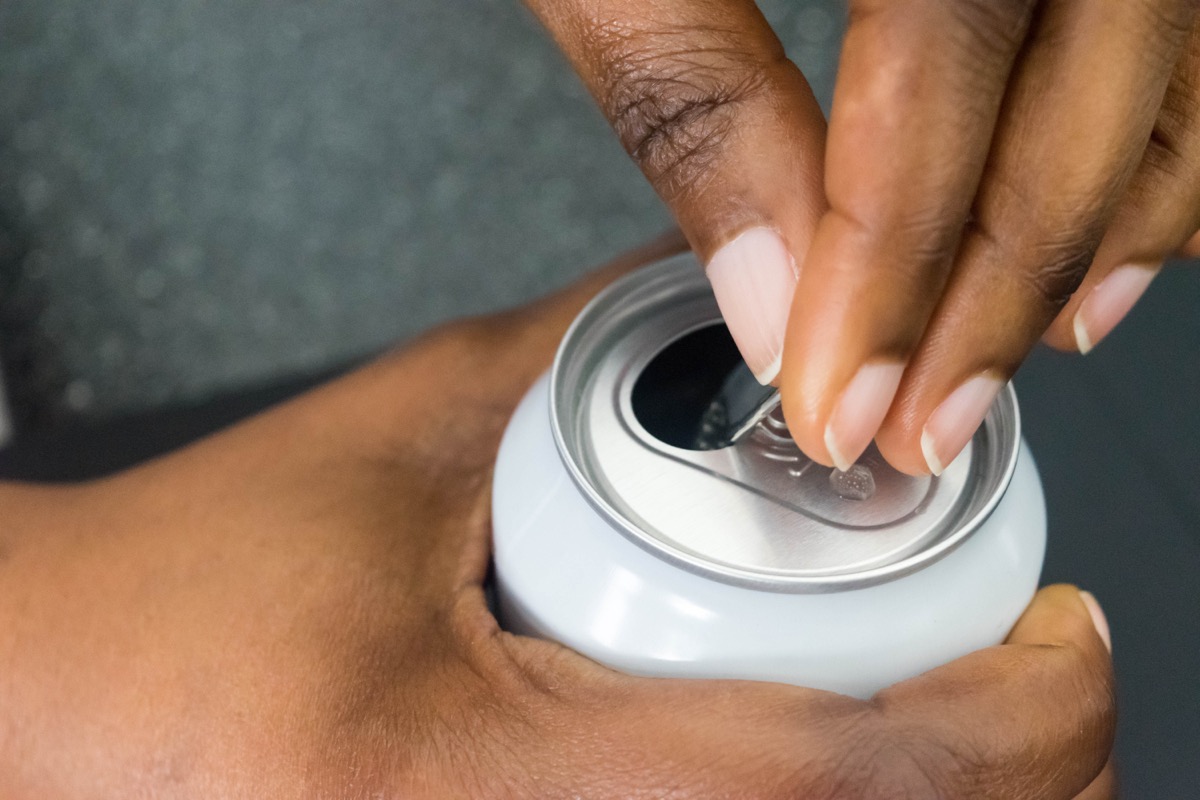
[983, 160]
[294, 608]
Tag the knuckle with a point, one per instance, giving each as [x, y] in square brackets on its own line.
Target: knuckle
[1059, 270]
[1164, 156]
[1174, 145]
[875, 759]
[986, 32]
[911, 766]
[1089, 697]
[1049, 244]
[673, 97]
[927, 233]
[1160, 209]
[1096, 690]
[1171, 20]
[1088, 690]
[674, 137]
[545, 669]
[999, 27]
[902, 760]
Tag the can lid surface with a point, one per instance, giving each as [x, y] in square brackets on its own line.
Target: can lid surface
[644, 391]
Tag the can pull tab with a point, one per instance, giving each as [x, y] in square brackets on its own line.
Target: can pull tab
[697, 405]
[766, 404]
[757, 405]
[739, 405]
[698, 394]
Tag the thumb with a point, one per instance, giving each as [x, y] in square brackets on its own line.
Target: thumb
[727, 131]
[1032, 718]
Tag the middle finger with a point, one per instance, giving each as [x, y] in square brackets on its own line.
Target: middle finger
[920, 84]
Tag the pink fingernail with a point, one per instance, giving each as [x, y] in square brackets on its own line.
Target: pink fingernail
[1109, 302]
[754, 278]
[1098, 618]
[955, 421]
[860, 411]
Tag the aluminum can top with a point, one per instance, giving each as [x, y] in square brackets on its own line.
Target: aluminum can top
[644, 392]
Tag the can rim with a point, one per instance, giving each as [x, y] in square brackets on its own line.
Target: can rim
[1005, 404]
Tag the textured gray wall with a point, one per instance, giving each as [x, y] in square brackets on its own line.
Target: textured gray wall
[200, 194]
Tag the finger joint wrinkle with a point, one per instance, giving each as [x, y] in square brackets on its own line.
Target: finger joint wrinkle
[673, 101]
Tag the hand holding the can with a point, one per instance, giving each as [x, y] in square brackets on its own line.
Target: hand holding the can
[296, 607]
[991, 172]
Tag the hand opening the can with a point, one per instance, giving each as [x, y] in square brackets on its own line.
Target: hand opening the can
[295, 607]
[991, 172]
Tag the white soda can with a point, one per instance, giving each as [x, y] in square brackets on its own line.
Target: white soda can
[649, 515]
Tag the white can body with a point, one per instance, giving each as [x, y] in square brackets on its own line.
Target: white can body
[563, 572]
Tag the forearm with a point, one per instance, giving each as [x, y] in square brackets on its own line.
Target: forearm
[31, 614]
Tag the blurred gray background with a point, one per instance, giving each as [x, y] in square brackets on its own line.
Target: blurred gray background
[197, 195]
[207, 205]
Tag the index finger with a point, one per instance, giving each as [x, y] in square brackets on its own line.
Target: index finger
[727, 131]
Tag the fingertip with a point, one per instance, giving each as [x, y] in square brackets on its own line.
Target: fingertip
[840, 460]
[860, 410]
[1083, 339]
[1098, 617]
[1059, 615]
[769, 375]
[1061, 335]
[1105, 305]
[753, 278]
[905, 460]
[1057, 596]
[956, 419]
[929, 450]
[901, 447]
[802, 427]
[917, 441]
[1050, 605]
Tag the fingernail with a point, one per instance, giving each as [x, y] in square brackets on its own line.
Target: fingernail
[1109, 302]
[955, 421]
[1098, 618]
[754, 278]
[860, 411]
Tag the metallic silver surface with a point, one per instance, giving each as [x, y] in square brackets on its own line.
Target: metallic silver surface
[756, 511]
[744, 428]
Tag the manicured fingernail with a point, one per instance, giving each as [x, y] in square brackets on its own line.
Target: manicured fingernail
[859, 412]
[1098, 618]
[955, 421]
[754, 278]
[1109, 302]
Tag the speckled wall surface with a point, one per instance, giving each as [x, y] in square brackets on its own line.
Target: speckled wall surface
[201, 194]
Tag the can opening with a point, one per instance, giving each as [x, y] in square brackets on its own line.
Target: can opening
[697, 391]
[645, 393]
